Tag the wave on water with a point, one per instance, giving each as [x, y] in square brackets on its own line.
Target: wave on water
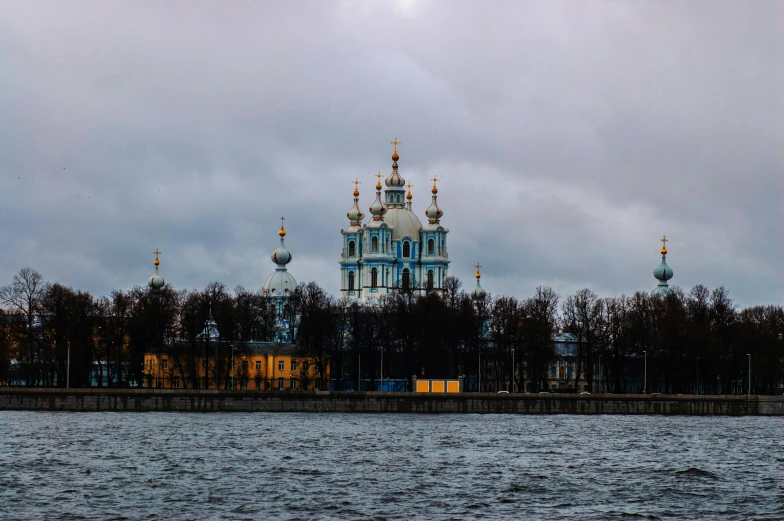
[697, 473]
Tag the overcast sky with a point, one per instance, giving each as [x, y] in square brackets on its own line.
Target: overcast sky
[569, 137]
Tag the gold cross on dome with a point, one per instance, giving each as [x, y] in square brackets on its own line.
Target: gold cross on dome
[395, 143]
[379, 176]
[664, 241]
[357, 182]
[434, 179]
[410, 186]
[156, 252]
[478, 266]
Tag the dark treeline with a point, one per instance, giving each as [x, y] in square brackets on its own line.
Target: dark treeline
[489, 341]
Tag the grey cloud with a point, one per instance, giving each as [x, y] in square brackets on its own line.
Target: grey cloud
[569, 137]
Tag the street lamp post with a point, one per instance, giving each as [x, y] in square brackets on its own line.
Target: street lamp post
[645, 375]
[381, 372]
[698, 376]
[359, 373]
[479, 374]
[749, 355]
[601, 388]
[513, 370]
[233, 384]
[68, 370]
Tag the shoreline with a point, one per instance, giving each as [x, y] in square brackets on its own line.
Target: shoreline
[196, 400]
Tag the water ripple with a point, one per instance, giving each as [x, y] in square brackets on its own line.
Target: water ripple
[331, 466]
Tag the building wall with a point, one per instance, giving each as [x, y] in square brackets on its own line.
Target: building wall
[202, 400]
[161, 372]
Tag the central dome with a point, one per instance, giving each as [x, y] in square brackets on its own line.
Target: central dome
[403, 223]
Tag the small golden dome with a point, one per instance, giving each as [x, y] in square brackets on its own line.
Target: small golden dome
[378, 184]
[282, 231]
[664, 241]
[157, 262]
[408, 195]
[434, 190]
[356, 192]
[664, 251]
[395, 142]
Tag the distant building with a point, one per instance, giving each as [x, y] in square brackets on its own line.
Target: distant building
[259, 366]
[393, 251]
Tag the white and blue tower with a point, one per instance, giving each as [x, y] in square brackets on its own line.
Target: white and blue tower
[280, 285]
[156, 281]
[663, 272]
[393, 251]
[479, 292]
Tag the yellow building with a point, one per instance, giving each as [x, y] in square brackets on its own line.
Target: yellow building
[255, 366]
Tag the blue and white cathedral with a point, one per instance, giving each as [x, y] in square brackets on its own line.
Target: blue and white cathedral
[393, 251]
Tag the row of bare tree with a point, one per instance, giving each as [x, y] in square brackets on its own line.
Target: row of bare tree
[689, 340]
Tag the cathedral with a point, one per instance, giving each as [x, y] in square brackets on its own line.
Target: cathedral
[393, 251]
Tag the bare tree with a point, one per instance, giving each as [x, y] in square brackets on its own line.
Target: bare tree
[24, 295]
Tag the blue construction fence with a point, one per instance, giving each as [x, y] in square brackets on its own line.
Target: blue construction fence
[388, 385]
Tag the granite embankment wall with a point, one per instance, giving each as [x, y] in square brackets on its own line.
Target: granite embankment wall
[141, 400]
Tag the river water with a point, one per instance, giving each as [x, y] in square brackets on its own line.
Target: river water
[379, 466]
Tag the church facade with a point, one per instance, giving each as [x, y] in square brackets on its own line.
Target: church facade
[393, 251]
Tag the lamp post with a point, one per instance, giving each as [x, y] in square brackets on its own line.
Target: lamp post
[359, 373]
[698, 376]
[68, 370]
[479, 374]
[381, 372]
[601, 389]
[233, 384]
[645, 375]
[513, 370]
[749, 355]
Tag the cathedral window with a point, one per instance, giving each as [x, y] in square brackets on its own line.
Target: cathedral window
[430, 279]
[351, 281]
[406, 249]
[374, 245]
[374, 278]
[352, 248]
[431, 247]
[406, 282]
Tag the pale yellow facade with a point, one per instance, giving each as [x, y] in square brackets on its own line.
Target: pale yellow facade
[254, 372]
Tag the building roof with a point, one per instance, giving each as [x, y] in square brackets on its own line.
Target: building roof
[248, 348]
